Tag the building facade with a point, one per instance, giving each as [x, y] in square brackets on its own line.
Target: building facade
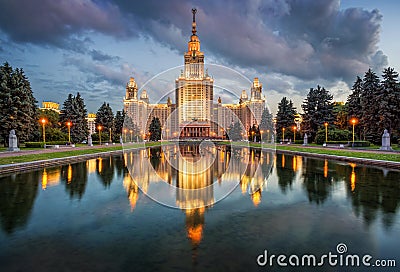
[194, 114]
[91, 122]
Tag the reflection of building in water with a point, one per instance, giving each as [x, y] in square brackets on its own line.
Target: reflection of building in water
[132, 190]
[254, 176]
[194, 225]
[50, 177]
[195, 178]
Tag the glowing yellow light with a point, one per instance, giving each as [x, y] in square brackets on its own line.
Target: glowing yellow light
[256, 198]
[325, 168]
[44, 179]
[353, 177]
[69, 174]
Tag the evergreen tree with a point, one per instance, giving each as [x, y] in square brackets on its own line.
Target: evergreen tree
[235, 131]
[17, 106]
[354, 100]
[80, 129]
[254, 134]
[340, 113]
[266, 124]
[118, 125]
[318, 109]
[105, 118]
[155, 129]
[119, 121]
[74, 111]
[53, 125]
[129, 126]
[389, 102]
[354, 106]
[285, 118]
[369, 121]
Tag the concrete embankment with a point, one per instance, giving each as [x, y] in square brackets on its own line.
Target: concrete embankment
[26, 166]
[380, 163]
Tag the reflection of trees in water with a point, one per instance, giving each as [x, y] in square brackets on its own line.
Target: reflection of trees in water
[75, 178]
[371, 189]
[105, 169]
[17, 196]
[315, 180]
[119, 166]
[155, 155]
[373, 192]
[285, 172]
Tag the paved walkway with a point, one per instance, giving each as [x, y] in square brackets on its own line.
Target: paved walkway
[4, 154]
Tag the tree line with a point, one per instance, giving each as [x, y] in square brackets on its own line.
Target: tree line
[19, 111]
[374, 105]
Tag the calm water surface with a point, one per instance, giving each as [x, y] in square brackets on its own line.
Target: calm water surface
[92, 216]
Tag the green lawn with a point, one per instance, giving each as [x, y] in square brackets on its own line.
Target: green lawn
[368, 154]
[317, 150]
[62, 154]
[346, 152]
[69, 153]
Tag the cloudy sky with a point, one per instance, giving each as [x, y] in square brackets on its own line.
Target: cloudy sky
[94, 46]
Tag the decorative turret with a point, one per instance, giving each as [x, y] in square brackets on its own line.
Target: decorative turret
[243, 97]
[194, 58]
[256, 89]
[131, 89]
[144, 96]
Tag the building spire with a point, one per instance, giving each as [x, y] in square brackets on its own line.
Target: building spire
[194, 21]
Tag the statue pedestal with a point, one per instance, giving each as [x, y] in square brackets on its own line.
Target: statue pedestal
[12, 141]
[386, 141]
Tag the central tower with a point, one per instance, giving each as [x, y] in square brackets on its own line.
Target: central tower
[194, 91]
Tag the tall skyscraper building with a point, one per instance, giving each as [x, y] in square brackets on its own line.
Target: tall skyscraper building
[195, 113]
[194, 91]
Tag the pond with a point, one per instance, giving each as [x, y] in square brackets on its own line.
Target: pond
[241, 205]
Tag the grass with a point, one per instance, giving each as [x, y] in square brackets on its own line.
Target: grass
[54, 155]
[69, 153]
[346, 153]
[315, 149]
[366, 154]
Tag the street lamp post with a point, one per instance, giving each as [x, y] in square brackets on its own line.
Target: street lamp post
[110, 141]
[131, 131]
[69, 124]
[125, 130]
[44, 131]
[294, 134]
[267, 135]
[283, 135]
[99, 128]
[326, 132]
[353, 122]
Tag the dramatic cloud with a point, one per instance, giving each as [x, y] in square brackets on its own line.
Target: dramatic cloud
[295, 43]
[58, 23]
[100, 56]
[306, 39]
